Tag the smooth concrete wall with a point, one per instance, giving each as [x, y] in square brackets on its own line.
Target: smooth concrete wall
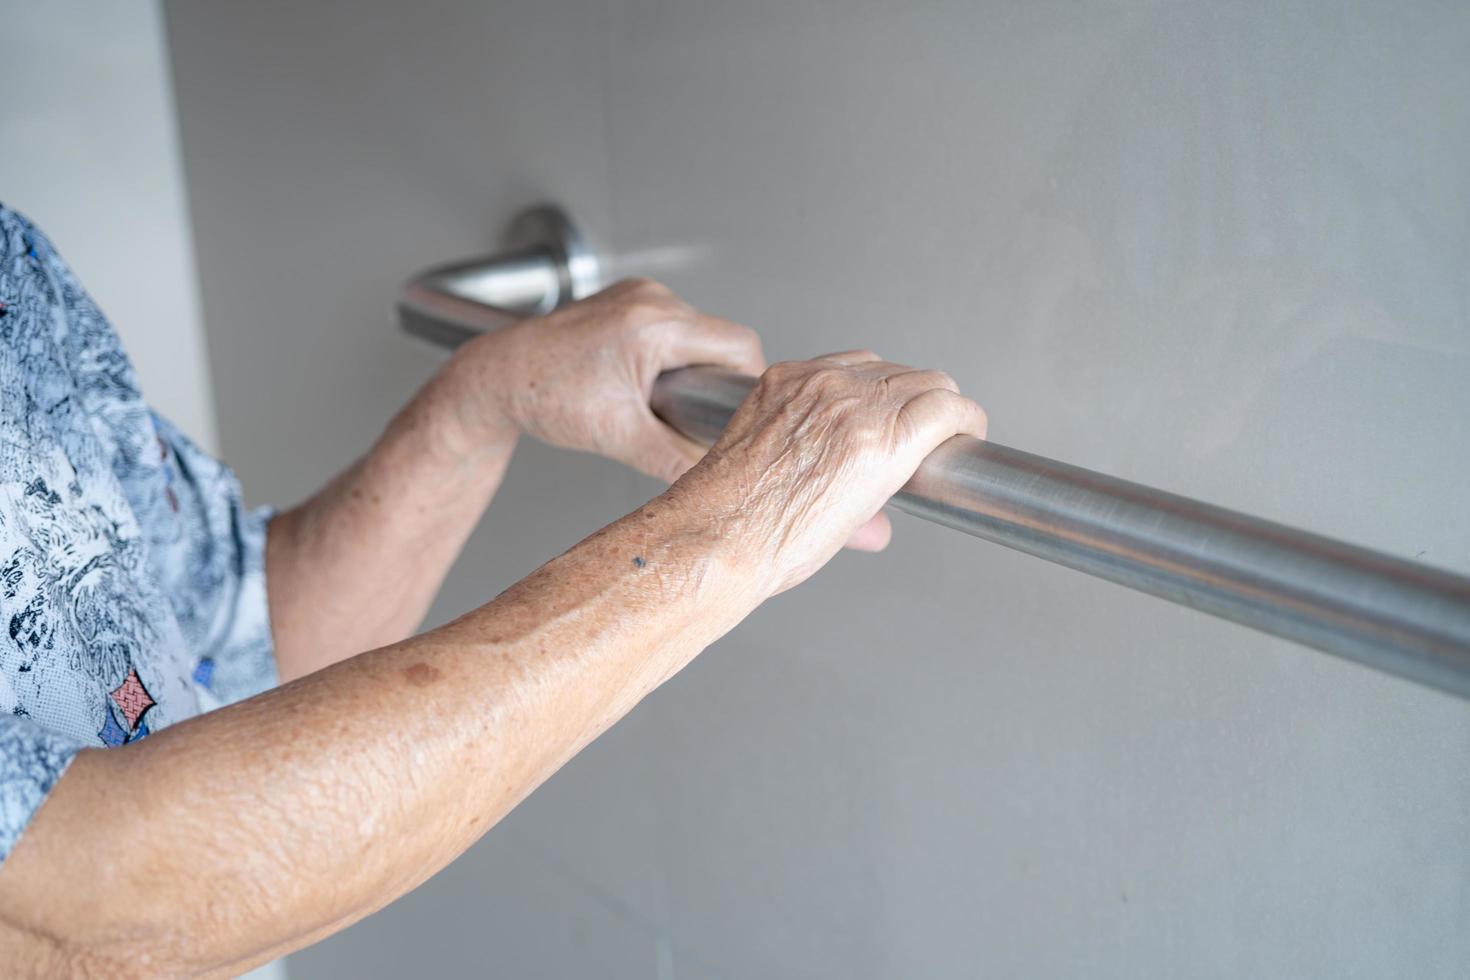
[89, 152]
[1217, 248]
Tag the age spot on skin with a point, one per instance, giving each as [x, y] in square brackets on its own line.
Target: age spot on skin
[421, 675]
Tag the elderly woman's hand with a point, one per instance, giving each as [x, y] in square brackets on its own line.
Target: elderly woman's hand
[814, 452]
[580, 377]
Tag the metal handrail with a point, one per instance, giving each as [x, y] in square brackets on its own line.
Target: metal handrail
[1398, 616]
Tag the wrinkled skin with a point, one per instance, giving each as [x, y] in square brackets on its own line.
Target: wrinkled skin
[264, 826]
[580, 378]
[818, 448]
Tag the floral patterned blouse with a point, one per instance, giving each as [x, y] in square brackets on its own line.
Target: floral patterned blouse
[132, 586]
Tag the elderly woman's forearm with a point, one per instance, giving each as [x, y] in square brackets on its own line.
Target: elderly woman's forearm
[263, 826]
[259, 828]
[357, 565]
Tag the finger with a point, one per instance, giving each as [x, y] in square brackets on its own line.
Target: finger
[906, 383]
[664, 453]
[686, 452]
[938, 413]
[874, 535]
[705, 339]
[666, 463]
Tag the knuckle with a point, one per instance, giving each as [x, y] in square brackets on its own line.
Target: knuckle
[953, 408]
[824, 382]
[782, 371]
[835, 415]
[943, 380]
[645, 286]
[647, 313]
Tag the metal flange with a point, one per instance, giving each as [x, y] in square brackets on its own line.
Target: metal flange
[547, 263]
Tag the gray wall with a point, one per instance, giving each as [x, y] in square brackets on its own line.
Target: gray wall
[1217, 248]
[90, 153]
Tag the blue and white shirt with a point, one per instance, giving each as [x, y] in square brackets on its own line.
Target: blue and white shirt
[132, 586]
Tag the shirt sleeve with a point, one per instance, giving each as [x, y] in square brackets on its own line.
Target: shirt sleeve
[205, 548]
[216, 571]
[32, 759]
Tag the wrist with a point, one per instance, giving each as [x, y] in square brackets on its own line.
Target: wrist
[705, 506]
[690, 549]
[462, 408]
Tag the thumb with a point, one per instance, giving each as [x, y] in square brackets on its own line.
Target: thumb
[667, 454]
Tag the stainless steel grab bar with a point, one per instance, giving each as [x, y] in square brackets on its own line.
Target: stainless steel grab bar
[1401, 617]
